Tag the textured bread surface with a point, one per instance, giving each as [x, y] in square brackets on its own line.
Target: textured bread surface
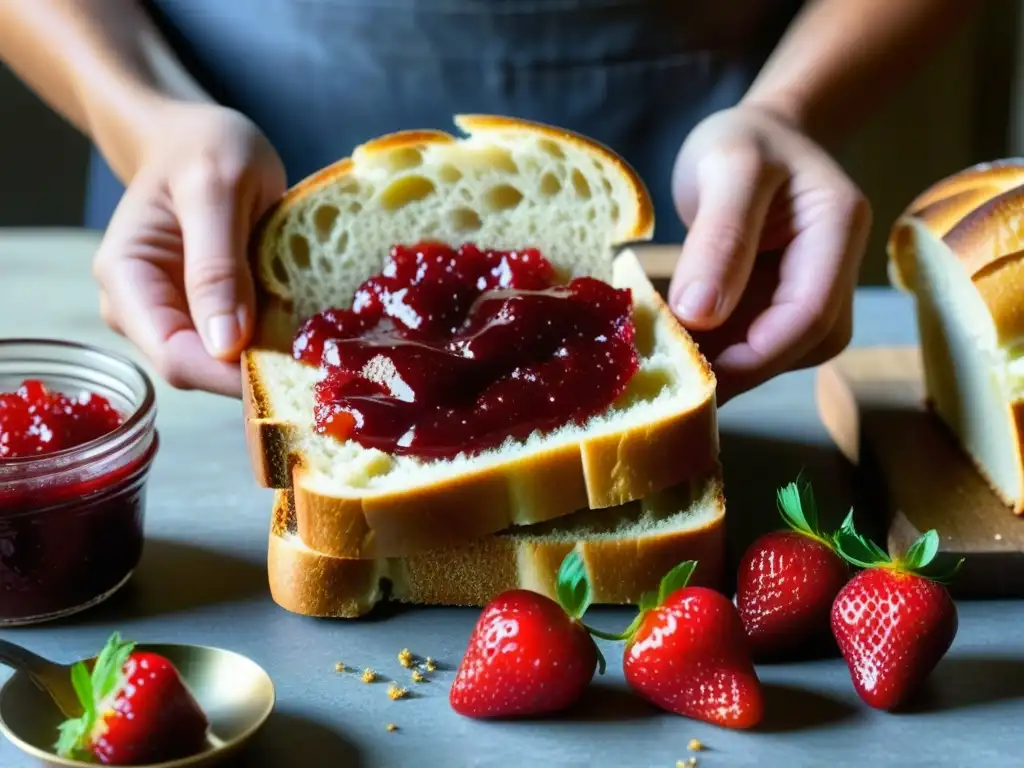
[627, 549]
[959, 249]
[525, 185]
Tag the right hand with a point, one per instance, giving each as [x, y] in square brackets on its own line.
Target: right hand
[172, 267]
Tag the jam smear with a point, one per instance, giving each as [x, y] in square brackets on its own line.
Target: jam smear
[35, 421]
[452, 351]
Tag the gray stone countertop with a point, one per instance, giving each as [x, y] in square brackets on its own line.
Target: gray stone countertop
[203, 580]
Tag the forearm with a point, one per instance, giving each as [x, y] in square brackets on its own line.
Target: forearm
[840, 58]
[100, 63]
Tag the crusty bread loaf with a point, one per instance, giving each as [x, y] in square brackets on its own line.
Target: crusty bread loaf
[959, 249]
[509, 184]
[626, 549]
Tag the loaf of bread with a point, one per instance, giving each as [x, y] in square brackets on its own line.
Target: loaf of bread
[507, 184]
[959, 249]
[627, 549]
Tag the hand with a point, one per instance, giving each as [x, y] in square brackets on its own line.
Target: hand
[776, 236]
[172, 267]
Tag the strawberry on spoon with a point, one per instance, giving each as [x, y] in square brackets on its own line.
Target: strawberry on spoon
[529, 655]
[686, 652]
[137, 710]
[788, 580]
[894, 621]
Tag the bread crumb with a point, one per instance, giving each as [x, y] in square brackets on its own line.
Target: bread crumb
[339, 667]
[695, 745]
[369, 675]
[430, 665]
[405, 658]
[417, 676]
[999, 537]
[392, 727]
[397, 693]
[691, 762]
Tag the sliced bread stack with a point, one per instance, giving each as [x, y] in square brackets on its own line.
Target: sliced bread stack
[635, 489]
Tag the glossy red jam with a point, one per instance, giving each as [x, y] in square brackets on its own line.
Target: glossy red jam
[36, 421]
[73, 476]
[454, 351]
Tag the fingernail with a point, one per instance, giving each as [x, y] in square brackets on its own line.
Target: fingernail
[697, 301]
[222, 334]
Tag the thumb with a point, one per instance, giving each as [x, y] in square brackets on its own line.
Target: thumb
[215, 222]
[734, 190]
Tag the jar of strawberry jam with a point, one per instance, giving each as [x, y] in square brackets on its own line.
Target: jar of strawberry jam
[77, 439]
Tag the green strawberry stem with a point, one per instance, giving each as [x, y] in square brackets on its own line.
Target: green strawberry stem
[106, 678]
[919, 558]
[572, 588]
[799, 509]
[671, 582]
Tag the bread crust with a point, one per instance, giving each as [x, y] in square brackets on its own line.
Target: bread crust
[315, 584]
[263, 240]
[976, 213]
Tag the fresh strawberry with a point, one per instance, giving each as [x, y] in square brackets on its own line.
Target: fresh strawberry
[893, 621]
[137, 710]
[787, 581]
[687, 653]
[529, 655]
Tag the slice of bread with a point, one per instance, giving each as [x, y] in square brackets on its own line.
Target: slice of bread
[627, 549]
[959, 249]
[508, 184]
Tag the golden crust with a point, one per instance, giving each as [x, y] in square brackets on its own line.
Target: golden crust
[595, 473]
[621, 570]
[263, 241]
[979, 215]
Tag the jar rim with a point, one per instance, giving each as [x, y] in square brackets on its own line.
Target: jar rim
[138, 422]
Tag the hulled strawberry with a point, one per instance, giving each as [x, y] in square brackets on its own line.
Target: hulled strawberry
[528, 654]
[687, 653]
[893, 621]
[787, 581]
[136, 710]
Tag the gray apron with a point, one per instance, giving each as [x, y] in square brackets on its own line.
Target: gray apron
[321, 76]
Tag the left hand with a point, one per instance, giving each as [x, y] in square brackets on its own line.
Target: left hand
[777, 232]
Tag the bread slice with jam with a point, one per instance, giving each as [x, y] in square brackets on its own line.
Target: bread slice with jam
[506, 184]
[626, 550]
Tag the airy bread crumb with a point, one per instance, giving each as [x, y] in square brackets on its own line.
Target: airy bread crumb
[369, 675]
[392, 727]
[695, 745]
[417, 676]
[405, 658]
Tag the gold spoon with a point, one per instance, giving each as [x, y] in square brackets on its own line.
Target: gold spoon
[235, 692]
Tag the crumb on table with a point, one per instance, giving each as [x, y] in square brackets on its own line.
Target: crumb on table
[430, 665]
[392, 727]
[695, 745]
[369, 675]
[417, 676]
[397, 693]
[405, 658]
[339, 667]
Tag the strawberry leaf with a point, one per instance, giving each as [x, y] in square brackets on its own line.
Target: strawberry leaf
[674, 580]
[74, 733]
[648, 601]
[922, 552]
[573, 587]
[856, 549]
[798, 507]
[601, 663]
[941, 573]
[107, 672]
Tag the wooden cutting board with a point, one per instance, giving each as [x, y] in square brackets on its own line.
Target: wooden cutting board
[871, 400]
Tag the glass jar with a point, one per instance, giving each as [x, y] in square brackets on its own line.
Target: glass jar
[71, 521]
